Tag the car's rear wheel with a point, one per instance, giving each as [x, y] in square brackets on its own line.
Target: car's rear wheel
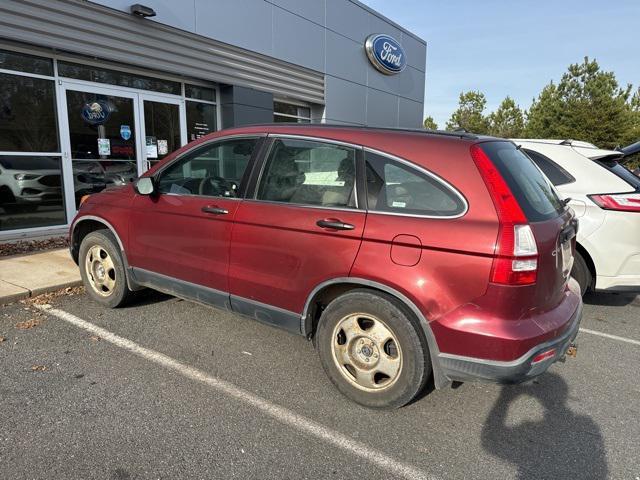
[372, 350]
[102, 269]
[581, 273]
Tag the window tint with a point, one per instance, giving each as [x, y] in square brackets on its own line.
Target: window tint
[287, 113]
[553, 171]
[27, 114]
[309, 173]
[114, 77]
[22, 62]
[31, 193]
[201, 119]
[214, 170]
[534, 192]
[395, 187]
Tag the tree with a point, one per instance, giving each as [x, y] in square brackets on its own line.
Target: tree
[507, 121]
[587, 104]
[470, 113]
[430, 123]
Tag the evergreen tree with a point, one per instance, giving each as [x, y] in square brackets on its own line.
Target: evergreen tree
[507, 121]
[587, 104]
[470, 113]
[430, 123]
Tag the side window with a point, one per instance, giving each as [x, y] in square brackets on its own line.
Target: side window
[214, 170]
[309, 173]
[554, 172]
[398, 188]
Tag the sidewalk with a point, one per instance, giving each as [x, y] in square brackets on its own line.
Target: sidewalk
[23, 276]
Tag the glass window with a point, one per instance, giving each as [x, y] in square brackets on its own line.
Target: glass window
[287, 113]
[27, 114]
[201, 119]
[25, 63]
[200, 93]
[554, 172]
[162, 130]
[114, 77]
[101, 126]
[621, 171]
[213, 170]
[395, 187]
[535, 194]
[31, 192]
[309, 173]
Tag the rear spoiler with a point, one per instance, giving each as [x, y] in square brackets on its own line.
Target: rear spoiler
[630, 149]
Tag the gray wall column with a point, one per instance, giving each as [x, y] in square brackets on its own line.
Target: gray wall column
[245, 106]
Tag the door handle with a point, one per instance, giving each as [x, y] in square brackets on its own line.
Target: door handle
[334, 224]
[212, 209]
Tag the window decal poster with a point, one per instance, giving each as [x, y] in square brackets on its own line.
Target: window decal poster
[104, 146]
[163, 147]
[152, 147]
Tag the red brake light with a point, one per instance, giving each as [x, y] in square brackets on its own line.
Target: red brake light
[516, 261]
[622, 202]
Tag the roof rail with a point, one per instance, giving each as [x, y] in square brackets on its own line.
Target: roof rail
[302, 126]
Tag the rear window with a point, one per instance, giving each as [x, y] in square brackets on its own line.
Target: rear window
[622, 172]
[534, 192]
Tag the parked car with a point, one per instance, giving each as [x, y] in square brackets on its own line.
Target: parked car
[29, 182]
[402, 254]
[606, 199]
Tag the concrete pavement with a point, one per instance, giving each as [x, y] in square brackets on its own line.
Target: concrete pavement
[23, 276]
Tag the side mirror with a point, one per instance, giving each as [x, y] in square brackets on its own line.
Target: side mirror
[145, 186]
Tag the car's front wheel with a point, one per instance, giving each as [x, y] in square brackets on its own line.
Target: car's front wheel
[102, 269]
[372, 351]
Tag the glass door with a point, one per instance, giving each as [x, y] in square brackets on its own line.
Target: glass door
[100, 138]
[163, 127]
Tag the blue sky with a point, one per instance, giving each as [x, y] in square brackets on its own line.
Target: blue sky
[514, 47]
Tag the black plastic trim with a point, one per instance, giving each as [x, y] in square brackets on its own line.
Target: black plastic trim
[459, 368]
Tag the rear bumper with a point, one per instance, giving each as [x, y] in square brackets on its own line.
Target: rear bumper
[459, 368]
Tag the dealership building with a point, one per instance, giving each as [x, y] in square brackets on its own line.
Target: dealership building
[93, 93]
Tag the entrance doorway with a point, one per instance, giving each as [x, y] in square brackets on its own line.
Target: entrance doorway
[110, 136]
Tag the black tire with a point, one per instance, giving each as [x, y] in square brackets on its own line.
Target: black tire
[581, 273]
[119, 294]
[412, 349]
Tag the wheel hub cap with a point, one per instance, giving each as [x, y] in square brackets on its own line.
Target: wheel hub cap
[360, 350]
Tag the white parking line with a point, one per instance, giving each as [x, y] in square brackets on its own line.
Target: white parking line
[612, 337]
[281, 414]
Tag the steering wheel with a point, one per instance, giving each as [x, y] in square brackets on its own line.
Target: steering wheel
[217, 186]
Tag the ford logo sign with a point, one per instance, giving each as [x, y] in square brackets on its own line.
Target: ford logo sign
[385, 53]
[96, 113]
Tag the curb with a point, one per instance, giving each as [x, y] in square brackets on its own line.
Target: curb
[4, 300]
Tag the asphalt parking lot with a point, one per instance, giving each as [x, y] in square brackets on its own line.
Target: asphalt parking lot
[169, 389]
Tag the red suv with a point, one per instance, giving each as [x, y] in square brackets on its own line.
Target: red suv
[402, 254]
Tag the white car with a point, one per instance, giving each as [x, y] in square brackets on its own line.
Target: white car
[606, 199]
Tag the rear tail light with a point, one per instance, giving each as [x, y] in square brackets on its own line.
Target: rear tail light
[622, 202]
[516, 261]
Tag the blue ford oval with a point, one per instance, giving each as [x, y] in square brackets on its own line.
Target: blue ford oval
[386, 53]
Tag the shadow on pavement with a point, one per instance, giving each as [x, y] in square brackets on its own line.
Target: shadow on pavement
[148, 297]
[610, 299]
[561, 445]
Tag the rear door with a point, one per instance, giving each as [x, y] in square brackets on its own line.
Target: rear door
[302, 227]
[552, 223]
